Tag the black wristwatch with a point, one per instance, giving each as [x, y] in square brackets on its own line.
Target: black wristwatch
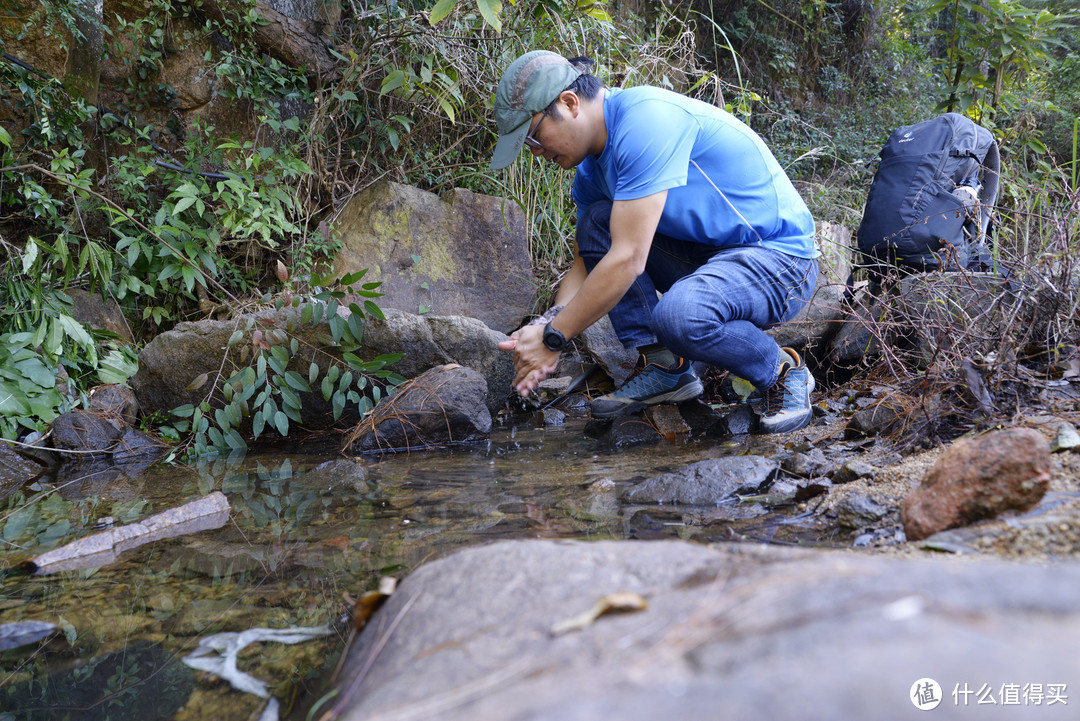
[553, 339]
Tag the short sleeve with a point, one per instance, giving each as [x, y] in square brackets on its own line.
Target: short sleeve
[651, 148]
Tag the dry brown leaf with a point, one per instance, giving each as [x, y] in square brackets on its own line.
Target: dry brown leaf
[199, 382]
[621, 602]
[282, 272]
[370, 602]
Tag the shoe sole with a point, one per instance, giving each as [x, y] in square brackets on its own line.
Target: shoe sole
[687, 392]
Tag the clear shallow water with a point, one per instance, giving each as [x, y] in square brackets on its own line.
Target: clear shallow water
[309, 531]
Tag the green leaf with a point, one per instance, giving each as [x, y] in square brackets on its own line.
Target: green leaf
[313, 372]
[392, 81]
[182, 205]
[281, 422]
[297, 381]
[235, 338]
[374, 310]
[441, 10]
[490, 10]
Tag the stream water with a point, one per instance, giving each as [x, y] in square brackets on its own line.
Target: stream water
[309, 531]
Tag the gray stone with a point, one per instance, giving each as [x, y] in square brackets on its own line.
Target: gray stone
[729, 631]
[949, 315]
[623, 432]
[445, 405]
[600, 342]
[115, 400]
[82, 430]
[100, 314]
[815, 323]
[871, 422]
[856, 510]
[431, 340]
[852, 471]
[707, 482]
[460, 254]
[805, 465]
[172, 360]
[834, 241]
[859, 333]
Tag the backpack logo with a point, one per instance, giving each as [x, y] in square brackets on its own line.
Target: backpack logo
[907, 138]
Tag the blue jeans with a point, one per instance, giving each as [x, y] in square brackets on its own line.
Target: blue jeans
[716, 301]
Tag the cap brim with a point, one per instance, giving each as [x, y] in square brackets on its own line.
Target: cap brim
[509, 147]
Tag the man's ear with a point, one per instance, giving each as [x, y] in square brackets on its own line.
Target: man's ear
[572, 102]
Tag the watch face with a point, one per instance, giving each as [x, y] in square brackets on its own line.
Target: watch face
[553, 339]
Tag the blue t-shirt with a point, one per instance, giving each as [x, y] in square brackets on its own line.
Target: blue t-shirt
[659, 140]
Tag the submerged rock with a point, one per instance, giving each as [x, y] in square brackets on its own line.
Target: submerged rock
[979, 478]
[707, 482]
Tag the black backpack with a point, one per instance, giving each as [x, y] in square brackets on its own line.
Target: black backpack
[931, 200]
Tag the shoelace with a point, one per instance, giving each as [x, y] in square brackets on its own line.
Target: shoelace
[774, 397]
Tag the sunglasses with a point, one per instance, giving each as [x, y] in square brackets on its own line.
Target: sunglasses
[530, 139]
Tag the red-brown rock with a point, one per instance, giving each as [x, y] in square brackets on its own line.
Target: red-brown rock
[979, 478]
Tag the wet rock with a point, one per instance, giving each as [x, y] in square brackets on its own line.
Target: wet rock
[857, 510]
[874, 421]
[878, 537]
[444, 405]
[623, 432]
[552, 417]
[115, 400]
[653, 524]
[136, 447]
[17, 469]
[86, 431]
[703, 419]
[979, 478]
[667, 421]
[707, 482]
[340, 472]
[600, 342]
[852, 471]
[806, 465]
[741, 421]
[728, 622]
[461, 254]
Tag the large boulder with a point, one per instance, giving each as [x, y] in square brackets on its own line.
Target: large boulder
[434, 340]
[181, 366]
[172, 365]
[459, 254]
[978, 478]
[740, 632]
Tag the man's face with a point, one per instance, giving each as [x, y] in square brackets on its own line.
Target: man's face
[554, 135]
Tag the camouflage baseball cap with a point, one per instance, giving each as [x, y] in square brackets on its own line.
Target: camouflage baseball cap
[528, 86]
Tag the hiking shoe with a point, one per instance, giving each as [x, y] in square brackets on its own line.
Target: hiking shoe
[649, 385]
[787, 404]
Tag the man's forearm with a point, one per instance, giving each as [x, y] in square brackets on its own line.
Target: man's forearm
[597, 294]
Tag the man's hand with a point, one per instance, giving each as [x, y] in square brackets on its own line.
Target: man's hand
[533, 362]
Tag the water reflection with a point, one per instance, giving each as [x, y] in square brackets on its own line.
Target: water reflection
[307, 533]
